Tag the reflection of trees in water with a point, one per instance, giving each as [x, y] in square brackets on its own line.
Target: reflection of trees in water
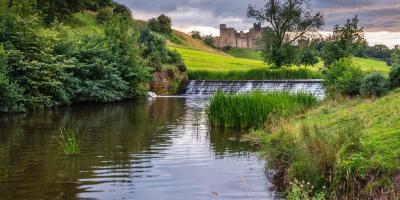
[32, 160]
[226, 142]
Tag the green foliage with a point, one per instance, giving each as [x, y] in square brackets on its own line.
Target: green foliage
[295, 17]
[308, 57]
[396, 57]
[278, 54]
[104, 14]
[160, 25]
[255, 74]
[303, 191]
[252, 110]
[70, 141]
[209, 40]
[343, 77]
[343, 42]
[374, 84]
[47, 66]
[394, 77]
[195, 35]
[155, 51]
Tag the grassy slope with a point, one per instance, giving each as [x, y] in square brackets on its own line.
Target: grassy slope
[381, 120]
[245, 53]
[202, 60]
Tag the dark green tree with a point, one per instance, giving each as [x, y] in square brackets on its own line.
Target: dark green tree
[343, 42]
[160, 25]
[290, 20]
[308, 57]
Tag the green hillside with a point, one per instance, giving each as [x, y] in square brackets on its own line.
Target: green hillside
[245, 53]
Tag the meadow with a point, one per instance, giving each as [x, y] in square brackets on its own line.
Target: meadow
[254, 109]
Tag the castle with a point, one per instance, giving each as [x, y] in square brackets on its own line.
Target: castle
[230, 37]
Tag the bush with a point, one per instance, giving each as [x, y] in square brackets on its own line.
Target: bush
[104, 14]
[182, 67]
[343, 77]
[373, 85]
[394, 77]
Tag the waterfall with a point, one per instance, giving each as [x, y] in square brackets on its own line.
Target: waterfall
[205, 88]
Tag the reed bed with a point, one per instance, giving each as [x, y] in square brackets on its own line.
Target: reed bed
[255, 74]
[70, 141]
[252, 110]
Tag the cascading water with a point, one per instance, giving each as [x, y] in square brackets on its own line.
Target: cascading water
[201, 88]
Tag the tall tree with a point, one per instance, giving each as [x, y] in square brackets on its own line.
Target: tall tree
[344, 41]
[290, 20]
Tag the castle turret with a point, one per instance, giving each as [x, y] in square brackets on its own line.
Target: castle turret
[222, 26]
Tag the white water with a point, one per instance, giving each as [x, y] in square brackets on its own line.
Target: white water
[201, 88]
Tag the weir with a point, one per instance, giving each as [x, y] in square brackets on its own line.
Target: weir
[198, 87]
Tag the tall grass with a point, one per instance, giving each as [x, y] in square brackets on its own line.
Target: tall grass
[255, 74]
[253, 109]
[70, 141]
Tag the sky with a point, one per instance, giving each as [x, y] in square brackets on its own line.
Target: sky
[381, 18]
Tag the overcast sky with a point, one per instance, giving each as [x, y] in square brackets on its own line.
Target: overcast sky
[206, 15]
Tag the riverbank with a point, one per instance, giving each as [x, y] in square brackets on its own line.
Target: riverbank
[345, 148]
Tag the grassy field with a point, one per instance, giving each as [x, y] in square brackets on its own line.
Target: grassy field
[350, 146]
[245, 53]
[202, 60]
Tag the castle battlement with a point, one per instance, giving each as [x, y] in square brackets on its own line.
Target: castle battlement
[231, 37]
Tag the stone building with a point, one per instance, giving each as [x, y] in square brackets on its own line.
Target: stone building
[230, 37]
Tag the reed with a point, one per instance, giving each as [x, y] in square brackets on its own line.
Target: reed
[70, 141]
[255, 74]
[254, 109]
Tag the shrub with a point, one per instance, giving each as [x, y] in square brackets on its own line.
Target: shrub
[182, 67]
[343, 77]
[104, 14]
[394, 77]
[170, 73]
[373, 85]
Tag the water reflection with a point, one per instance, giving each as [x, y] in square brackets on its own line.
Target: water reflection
[157, 149]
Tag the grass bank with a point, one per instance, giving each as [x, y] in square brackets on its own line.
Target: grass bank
[255, 74]
[253, 109]
[351, 147]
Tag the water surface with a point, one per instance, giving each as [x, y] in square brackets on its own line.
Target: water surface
[155, 149]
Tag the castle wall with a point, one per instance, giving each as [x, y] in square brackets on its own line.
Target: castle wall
[230, 37]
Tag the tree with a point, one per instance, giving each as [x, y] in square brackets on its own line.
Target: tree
[209, 40]
[195, 35]
[290, 20]
[343, 42]
[308, 57]
[396, 57]
[160, 25]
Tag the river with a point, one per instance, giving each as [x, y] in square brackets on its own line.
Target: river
[159, 148]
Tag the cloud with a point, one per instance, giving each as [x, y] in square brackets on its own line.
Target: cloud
[206, 15]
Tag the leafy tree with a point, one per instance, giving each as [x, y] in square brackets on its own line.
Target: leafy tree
[343, 42]
[104, 14]
[290, 20]
[209, 40]
[396, 57]
[343, 77]
[394, 77]
[308, 57]
[195, 35]
[160, 25]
